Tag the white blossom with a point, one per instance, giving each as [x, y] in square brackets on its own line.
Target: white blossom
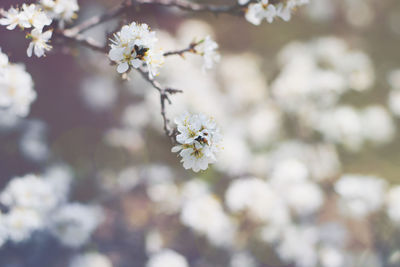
[73, 223]
[13, 18]
[209, 50]
[198, 140]
[39, 45]
[196, 214]
[168, 258]
[61, 10]
[30, 192]
[90, 259]
[393, 204]
[21, 222]
[134, 47]
[360, 195]
[16, 90]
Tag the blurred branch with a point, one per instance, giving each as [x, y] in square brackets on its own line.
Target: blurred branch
[126, 7]
[234, 9]
[99, 19]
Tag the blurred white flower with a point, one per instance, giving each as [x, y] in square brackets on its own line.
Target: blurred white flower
[393, 203]
[29, 192]
[39, 45]
[168, 258]
[74, 223]
[61, 10]
[209, 50]
[16, 90]
[99, 92]
[378, 125]
[298, 244]
[198, 140]
[90, 259]
[133, 47]
[242, 259]
[13, 18]
[257, 198]
[205, 215]
[360, 195]
[21, 222]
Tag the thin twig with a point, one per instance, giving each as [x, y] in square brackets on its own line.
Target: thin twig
[235, 9]
[124, 7]
[190, 49]
[164, 92]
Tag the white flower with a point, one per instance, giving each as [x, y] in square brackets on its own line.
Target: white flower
[196, 214]
[29, 192]
[16, 90]
[13, 18]
[74, 223]
[360, 195]
[90, 259]
[61, 10]
[134, 47]
[210, 54]
[21, 222]
[257, 198]
[258, 11]
[39, 42]
[198, 140]
[378, 125]
[168, 258]
[33, 16]
[393, 203]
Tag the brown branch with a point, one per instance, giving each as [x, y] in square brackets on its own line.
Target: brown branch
[190, 49]
[235, 9]
[164, 92]
[124, 7]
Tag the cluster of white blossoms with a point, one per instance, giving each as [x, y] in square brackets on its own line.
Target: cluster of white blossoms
[39, 202]
[36, 17]
[268, 10]
[16, 87]
[199, 141]
[134, 46]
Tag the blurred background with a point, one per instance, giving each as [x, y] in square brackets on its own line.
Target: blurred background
[309, 114]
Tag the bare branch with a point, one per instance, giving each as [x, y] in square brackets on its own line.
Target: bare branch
[190, 49]
[164, 92]
[99, 19]
[235, 9]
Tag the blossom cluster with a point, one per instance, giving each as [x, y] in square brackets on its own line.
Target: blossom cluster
[266, 9]
[40, 202]
[36, 17]
[198, 138]
[134, 46]
[16, 87]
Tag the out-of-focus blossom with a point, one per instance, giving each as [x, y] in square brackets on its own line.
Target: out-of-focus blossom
[73, 224]
[90, 259]
[61, 10]
[196, 214]
[209, 50]
[392, 202]
[167, 257]
[360, 195]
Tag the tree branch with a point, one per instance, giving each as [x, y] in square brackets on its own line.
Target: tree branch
[190, 49]
[164, 92]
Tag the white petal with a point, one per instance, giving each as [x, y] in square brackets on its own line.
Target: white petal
[123, 67]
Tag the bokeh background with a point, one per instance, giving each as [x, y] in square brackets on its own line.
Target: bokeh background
[108, 133]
